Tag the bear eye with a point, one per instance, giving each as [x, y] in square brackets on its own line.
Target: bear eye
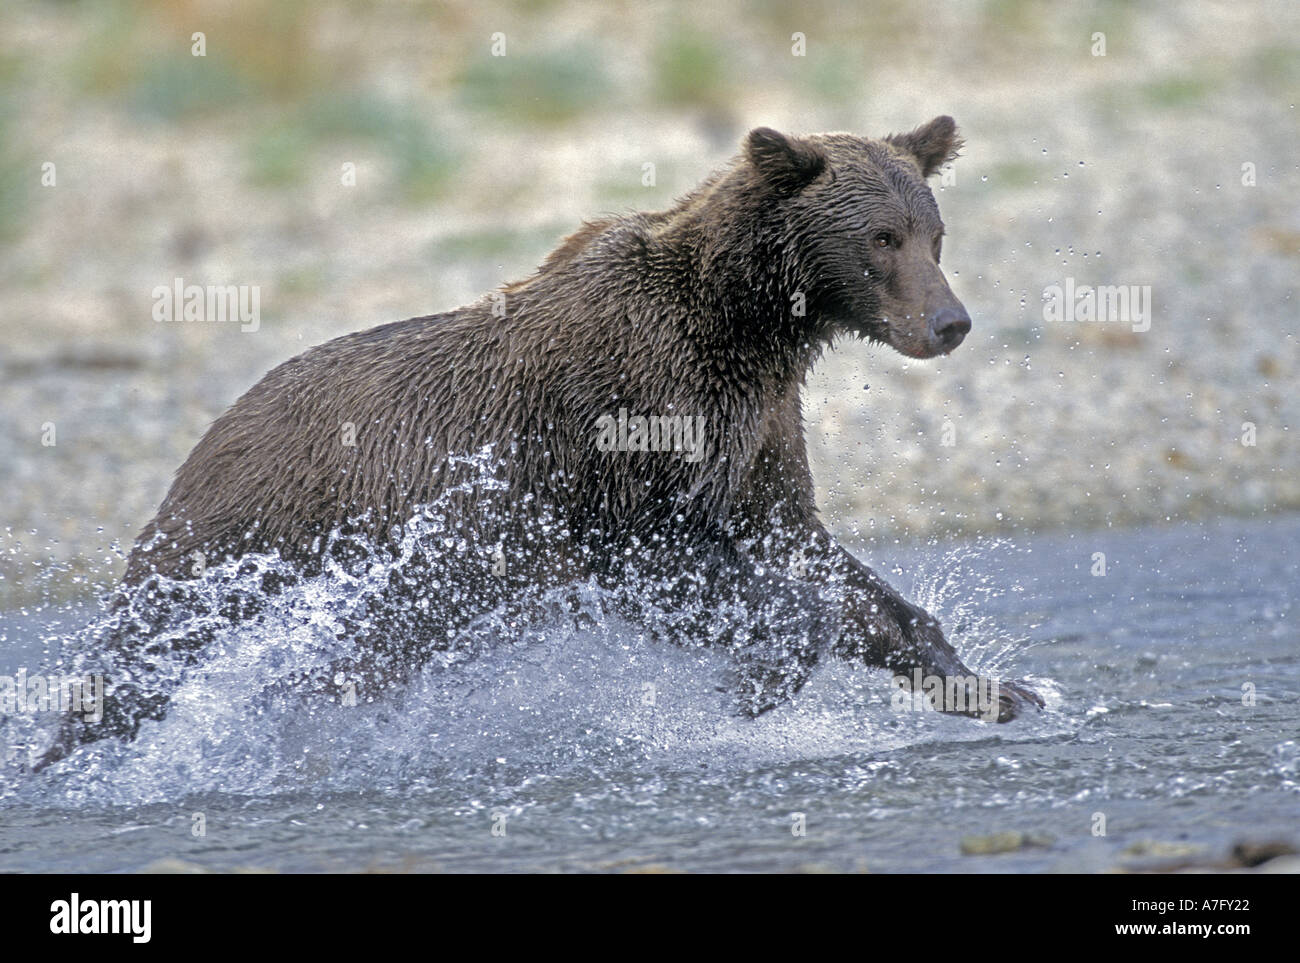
[883, 239]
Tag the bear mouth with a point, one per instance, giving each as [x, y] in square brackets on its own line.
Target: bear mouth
[921, 354]
[921, 345]
[922, 348]
[880, 331]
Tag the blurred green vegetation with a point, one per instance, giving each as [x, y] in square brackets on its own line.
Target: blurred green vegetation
[1178, 90]
[293, 80]
[177, 87]
[546, 86]
[141, 51]
[1014, 174]
[291, 98]
[280, 151]
[1276, 67]
[18, 173]
[625, 190]
[833, 78]
[497, 244]
[690, 69]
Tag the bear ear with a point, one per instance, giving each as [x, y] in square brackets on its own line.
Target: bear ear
[787, 163]
[932, 144]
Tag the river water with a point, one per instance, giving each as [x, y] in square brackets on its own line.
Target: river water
[1172, 731]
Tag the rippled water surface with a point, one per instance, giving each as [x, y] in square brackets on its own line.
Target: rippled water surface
[593, 748]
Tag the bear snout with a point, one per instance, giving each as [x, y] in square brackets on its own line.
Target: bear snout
[948, 327]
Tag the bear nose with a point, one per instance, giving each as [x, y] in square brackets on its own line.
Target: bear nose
[950, 325]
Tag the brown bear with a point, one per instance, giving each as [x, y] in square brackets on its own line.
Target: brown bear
[628, 414]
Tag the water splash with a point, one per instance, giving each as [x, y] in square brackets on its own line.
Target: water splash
[573, 688]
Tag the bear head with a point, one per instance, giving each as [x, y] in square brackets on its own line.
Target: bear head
[861, 231]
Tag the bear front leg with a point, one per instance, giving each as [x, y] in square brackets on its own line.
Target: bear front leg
[881, 628]
[783, 627]
[775, 627]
